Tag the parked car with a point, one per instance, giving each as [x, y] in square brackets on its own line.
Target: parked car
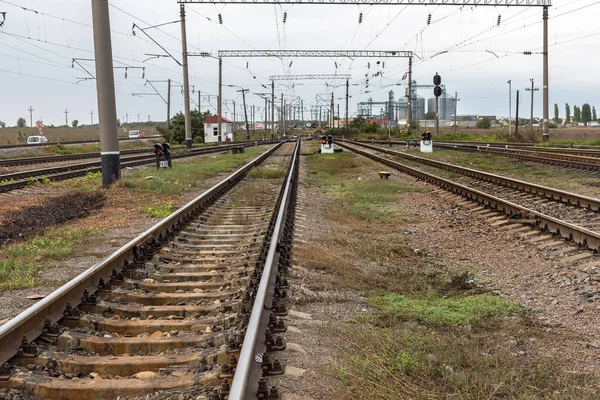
[134, 134]
[37, 139]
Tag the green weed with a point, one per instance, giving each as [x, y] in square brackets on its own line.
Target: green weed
[20, 263]
[6, 181]
[435, 310]
[187, 174]
[266, 173]
[161, 210]
[34, 181]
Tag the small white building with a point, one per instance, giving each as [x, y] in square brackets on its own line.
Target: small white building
[211, 129]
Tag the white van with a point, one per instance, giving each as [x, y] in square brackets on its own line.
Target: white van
[134, 134]
[37, 139]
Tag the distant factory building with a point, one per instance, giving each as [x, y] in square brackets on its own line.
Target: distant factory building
[446, 106]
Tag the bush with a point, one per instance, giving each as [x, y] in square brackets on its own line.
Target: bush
[369, 127]
[483, 123]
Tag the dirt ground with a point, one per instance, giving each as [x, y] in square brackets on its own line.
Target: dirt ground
[449, 235]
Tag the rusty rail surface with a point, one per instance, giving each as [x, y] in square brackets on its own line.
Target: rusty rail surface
[583, 237]
[30, 323]
[550, 193]
[23, 179]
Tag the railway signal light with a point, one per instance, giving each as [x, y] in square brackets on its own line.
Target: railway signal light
[323, 141]
[423, 136]
[166, 149]
[329, 140]
[437, 91]
[437, 80]
[428, 136]
[158, 150]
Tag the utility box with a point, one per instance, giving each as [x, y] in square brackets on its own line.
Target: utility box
[426, 143]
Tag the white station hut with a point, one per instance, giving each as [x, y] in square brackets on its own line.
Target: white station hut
[211, 129]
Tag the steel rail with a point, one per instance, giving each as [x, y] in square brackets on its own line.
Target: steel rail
[73, 171]
[550, 154]
[582, 236]
[239, 385]
[80, 156]
[563, 150]
[563, 161]
[573, 199]
[30, 322]
[14, 146]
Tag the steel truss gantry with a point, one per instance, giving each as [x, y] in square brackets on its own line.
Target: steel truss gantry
[316, 53]
[493, 3]
[308, 77]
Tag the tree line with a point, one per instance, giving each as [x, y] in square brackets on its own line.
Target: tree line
[585, 113]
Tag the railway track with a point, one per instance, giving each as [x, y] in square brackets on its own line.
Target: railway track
[567, 215]
[182, 310]
[14, 146]
[18, 180]
[10, 162]
[561, 157]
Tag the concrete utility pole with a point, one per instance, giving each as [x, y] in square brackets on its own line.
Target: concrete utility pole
[186, 81]
[272, 109]
[199, 102]
[266, 117]
[545, 129]
[281, 109]
[455, 104]
[253, 118]
[138, 118]
[219, 97]
[409, 96]
[245, 112]
[302, 112]
[105, 87]
[169, 105]
[66, 117]
[234, 117]
[509, 105]
[92, 117]
[517, 116]
[331, 113]
[347, 88]
[30, 118]
[127, 117]
[533, 89]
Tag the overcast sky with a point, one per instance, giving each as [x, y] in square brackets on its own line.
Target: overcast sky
[36, 52]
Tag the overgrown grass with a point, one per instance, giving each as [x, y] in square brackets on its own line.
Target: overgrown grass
[187, 174]
[160, 210]
[433, 309]
[266, 173]
[383, 363]
[20, 263]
